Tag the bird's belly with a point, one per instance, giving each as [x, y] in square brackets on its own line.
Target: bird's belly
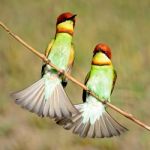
[101, 86]
[60, 56]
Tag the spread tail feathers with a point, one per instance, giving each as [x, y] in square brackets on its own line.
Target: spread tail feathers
[45, 97]
[92, 121]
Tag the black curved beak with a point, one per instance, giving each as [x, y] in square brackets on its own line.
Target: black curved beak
[72, 17]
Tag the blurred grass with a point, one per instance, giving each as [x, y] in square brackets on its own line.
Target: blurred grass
[123, 25]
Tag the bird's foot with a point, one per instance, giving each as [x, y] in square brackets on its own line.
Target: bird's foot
[61, 72]
[105, 102]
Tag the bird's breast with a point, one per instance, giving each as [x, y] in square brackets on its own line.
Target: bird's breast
[60, 52]
[100, 82]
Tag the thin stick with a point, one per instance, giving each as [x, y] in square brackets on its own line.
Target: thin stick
[47, 61]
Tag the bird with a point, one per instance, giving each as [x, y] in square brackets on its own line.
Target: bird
[92, 119]
[47, 97]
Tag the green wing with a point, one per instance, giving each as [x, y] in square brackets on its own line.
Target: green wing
[84, 94]
[47, 51]
[70, 65]
[114, 81]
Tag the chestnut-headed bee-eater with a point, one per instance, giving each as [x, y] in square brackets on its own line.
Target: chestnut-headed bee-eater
[93, 120]
[47, 97]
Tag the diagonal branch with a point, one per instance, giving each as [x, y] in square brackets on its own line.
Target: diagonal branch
[47, 61]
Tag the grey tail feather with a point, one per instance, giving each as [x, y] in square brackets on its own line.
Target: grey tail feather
[33, 99]
[104, 126]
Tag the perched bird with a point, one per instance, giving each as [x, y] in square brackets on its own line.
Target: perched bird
[47, 97]
[93, 120]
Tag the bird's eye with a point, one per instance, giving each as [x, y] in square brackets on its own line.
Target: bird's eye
[104, 52]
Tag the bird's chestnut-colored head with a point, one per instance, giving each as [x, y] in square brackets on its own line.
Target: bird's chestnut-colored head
[104, 49]
[66, 16]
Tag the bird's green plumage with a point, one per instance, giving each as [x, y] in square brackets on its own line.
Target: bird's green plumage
[60, 50]
[59, 56]
[93, 120]
[46, 97]
[101, 81]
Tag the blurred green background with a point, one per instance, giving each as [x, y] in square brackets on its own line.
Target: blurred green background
[123, 25]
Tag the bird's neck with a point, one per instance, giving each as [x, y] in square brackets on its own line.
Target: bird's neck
[63, 30]
[66, 27]
[101, 59]
[63, 36]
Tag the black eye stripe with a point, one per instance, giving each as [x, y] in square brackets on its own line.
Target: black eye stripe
[104, 52]
[63, 19]
[100, 50]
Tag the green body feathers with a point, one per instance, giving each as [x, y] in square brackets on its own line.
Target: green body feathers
[101, 81]
[60, 50]
[59, 55]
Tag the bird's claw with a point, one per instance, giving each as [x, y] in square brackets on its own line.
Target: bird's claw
[105, 102]
[47, 61]
[88, 91]
[61, 72]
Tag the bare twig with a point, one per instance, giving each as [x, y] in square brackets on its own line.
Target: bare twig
[43, 57]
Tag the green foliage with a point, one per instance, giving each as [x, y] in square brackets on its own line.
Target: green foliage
[123, 25]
